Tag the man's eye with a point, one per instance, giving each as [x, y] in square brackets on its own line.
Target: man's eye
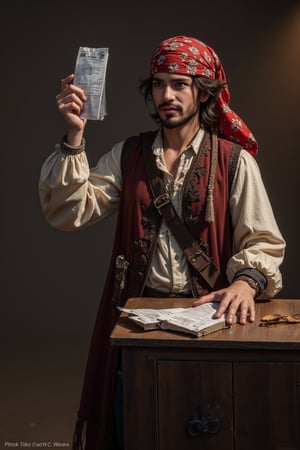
[180, 84]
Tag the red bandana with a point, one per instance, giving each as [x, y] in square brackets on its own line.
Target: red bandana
[188, 56]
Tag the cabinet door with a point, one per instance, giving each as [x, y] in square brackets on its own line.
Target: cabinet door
[194, 405]
[266, 406]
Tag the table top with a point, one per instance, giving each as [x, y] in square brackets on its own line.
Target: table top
[250, 335]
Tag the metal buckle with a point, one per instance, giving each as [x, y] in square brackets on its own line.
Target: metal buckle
[161, 201]
[193, 258]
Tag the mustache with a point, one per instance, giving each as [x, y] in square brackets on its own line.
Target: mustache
[168, 104]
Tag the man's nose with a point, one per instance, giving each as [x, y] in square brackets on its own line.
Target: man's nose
[168, 93]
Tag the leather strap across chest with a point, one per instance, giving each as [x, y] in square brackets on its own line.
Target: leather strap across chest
[194, 253]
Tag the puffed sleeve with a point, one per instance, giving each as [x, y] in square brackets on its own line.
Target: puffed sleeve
[257, 240]
[72, 195]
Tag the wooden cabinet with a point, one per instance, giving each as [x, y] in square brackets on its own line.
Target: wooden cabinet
[235, 389]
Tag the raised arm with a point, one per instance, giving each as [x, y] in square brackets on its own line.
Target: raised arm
[72, 194]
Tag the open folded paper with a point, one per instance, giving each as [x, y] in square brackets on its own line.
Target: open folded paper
[197, 320]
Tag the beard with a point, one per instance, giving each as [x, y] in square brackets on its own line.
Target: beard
[171, 123]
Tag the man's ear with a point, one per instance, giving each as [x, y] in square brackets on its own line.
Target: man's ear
[204, 96]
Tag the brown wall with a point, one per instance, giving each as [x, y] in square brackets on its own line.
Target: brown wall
[52, 281]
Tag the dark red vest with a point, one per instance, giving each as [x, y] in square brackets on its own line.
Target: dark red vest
[139, 220]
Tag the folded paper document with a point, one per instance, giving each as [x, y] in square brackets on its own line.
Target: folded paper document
[197, 321]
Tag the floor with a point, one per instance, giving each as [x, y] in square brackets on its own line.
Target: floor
[39, 393]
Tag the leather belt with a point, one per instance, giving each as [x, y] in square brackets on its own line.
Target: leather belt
[150, 292]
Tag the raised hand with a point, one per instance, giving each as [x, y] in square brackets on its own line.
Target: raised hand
[70, 102]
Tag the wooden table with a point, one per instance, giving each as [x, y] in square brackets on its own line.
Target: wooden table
[235, 389]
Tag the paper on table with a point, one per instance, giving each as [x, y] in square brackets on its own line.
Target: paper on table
[197, 320]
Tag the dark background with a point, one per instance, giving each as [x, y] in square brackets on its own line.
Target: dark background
[51, 281]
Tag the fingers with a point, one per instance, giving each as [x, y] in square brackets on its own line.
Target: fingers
[71, 98]
[65, 82]
[70, 103]
[247, 312]
[232, 303]
[243, 308]
[206, 299]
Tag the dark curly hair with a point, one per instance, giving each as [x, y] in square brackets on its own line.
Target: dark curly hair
[207, 111]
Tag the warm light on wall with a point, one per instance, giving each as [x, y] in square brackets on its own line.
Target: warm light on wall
[281, 69]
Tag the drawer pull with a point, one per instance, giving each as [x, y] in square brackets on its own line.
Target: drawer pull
[203, 425]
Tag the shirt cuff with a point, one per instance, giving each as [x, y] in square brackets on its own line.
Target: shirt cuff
[256, 275]
[71, 149]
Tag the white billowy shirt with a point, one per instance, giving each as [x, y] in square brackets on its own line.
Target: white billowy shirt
[75, 196]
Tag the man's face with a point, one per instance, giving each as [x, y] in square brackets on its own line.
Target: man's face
[175, 98]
